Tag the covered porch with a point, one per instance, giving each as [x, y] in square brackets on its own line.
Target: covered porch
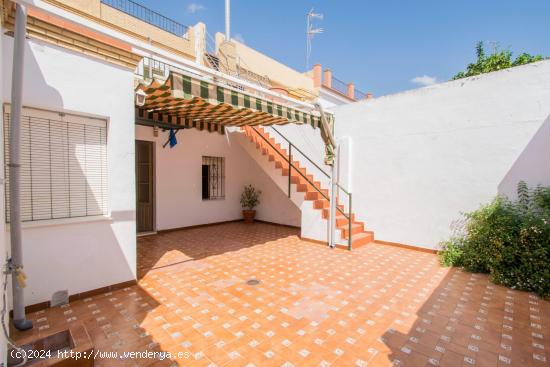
[192, 161]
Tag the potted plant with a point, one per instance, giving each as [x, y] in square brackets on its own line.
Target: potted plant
[250, 198]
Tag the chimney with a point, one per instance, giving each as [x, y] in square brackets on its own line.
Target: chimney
[351, 91]
[317, 75]
[327, 78]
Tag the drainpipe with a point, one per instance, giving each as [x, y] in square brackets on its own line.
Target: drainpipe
[15, 264]
[326, 133]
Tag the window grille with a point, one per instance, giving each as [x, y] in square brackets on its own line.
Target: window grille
[63, 165]
[213, 178]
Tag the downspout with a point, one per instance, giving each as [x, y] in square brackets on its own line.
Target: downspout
[330, 143]
[15, 263]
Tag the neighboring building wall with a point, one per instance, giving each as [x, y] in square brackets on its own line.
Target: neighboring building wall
[80, 255]
[282, 75]
[178, 182]
[422, 157]
[122, 22]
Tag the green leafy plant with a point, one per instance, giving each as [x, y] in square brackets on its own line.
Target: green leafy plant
[250, 197]
[498, 60]
[452, 253]
[509, 240]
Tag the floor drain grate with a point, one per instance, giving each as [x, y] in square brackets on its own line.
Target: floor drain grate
[252, 282]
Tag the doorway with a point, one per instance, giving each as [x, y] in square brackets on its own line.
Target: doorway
[145, 194]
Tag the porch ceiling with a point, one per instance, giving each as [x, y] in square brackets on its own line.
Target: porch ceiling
[182, 100]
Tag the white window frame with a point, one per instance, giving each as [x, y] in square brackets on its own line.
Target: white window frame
[66, 167]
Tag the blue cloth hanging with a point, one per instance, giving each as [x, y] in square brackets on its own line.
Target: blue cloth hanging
[172, 139]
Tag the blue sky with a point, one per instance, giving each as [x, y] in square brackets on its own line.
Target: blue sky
[383, 46]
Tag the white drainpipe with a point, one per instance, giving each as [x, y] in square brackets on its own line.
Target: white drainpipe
[15, 265]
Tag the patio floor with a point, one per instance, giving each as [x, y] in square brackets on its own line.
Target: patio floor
[378, 306]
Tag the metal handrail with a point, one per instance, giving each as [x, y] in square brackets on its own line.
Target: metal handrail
[358, 95]
[302, 153]
[349, 211]
[339, 85]
[291, 165]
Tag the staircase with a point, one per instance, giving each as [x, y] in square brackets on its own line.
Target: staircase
[312, 189]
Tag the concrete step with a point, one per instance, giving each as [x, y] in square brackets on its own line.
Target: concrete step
[356, 228]
[359, 240]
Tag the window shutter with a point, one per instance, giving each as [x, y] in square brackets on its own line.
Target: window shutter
[63, 165]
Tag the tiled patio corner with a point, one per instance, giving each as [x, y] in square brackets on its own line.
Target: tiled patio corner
[376, 306]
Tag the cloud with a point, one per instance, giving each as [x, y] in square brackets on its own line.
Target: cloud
[239, 38]
[424, 80]
[194, 7]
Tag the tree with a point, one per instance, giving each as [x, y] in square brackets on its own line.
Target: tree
[498, 60]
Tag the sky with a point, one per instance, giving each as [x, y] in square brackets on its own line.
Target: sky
[383, 46]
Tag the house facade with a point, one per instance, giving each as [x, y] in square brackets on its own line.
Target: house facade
[97, 167]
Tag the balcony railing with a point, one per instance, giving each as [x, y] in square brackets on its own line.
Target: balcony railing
[358, 95]
[343, 88]
[339, 86]
[148, 16]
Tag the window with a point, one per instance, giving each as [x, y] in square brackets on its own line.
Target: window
[213, 178]
[63, 165]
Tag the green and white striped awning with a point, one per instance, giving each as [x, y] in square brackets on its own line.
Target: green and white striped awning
[184, 100]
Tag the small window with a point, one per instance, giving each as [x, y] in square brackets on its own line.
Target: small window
[63, 165]
[213, 178]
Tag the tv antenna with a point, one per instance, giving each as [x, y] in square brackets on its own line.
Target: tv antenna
[311, 32]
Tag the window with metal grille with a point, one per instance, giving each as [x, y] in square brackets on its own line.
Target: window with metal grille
[213, 178]
[63, 165]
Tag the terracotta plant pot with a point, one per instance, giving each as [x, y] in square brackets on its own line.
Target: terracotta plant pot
[249, 215]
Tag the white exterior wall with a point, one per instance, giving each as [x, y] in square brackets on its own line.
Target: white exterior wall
[422, 157]
[178, 186]
[80, 255]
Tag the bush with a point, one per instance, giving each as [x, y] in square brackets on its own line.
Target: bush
[452, 253]
[509, 240]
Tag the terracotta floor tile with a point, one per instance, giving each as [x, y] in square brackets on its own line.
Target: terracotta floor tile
[376, 306]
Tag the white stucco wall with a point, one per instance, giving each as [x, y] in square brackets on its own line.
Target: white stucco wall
[420, 158]
[178, 183]
[85, 255]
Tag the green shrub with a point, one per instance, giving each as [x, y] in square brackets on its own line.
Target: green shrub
[510, 240]
[452, 253]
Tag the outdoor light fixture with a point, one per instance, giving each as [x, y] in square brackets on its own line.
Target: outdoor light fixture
[140, 98]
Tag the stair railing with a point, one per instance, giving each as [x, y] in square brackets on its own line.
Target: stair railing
[291, 147]
[302, 153]
[349, 211]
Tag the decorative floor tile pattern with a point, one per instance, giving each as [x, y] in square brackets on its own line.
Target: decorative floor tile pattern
[376, 306]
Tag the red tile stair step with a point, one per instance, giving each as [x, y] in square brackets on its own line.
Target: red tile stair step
[277, 154]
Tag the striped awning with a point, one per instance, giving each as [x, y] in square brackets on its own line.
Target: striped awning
[184, 100]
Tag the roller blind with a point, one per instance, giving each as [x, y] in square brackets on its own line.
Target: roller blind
[63, 165]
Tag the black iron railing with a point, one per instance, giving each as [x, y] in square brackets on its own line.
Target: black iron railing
[339, 86]
[291, 166]
[148, 16]
[358, 95]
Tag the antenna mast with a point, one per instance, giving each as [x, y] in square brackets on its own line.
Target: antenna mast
[228, 20]
[311, 32]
